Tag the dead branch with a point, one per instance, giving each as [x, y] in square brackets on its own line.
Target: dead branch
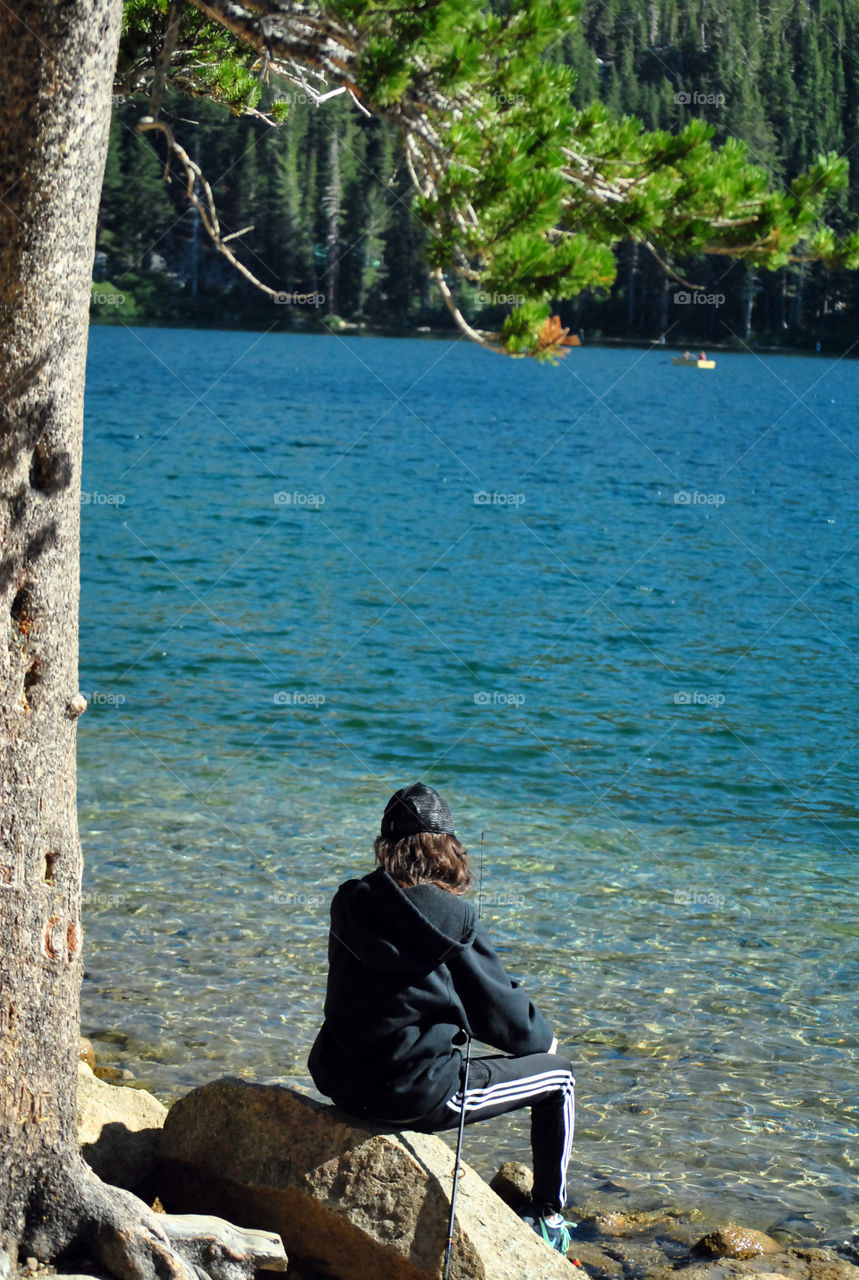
[206, 206]
[480, 336]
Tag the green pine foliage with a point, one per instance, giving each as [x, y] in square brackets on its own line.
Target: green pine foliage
[714, 137]
[209, 62]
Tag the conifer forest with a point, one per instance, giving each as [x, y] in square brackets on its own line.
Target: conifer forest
[320, 204]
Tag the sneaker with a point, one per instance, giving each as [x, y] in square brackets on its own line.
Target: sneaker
[556, 1234]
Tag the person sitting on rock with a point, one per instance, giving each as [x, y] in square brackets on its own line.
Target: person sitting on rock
[412, 972]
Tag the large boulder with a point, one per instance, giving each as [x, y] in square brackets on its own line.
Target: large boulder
[118, 1129]
[356, 1201]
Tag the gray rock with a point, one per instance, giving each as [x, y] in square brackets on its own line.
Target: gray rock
[849, 1246]
[708, 1271]
[81, 1275]
[823, 1264]
[358, 1202]
[118, 1129]
[596, 1261]
[513, 1183]
[638, 1258]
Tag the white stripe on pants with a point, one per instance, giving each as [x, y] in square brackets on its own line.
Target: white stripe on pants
[542, 1081]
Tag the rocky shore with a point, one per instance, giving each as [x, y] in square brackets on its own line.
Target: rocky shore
[353, 1202]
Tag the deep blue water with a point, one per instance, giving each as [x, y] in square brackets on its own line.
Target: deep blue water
[608, 608]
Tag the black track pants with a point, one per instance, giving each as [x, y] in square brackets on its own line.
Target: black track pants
[542, 1081]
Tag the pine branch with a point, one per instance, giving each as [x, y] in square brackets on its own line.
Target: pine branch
[519, 192]
[293, 39]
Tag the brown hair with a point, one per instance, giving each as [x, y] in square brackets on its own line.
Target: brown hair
[425, 858]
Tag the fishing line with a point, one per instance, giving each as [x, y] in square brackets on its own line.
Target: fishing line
[466, 1063]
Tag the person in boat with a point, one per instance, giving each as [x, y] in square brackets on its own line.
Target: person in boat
[687, 355]
[412, 973]
[702, 355]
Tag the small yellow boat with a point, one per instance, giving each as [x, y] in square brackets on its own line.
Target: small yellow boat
[694, 362]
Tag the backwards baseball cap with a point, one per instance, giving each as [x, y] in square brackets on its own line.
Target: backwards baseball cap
[414, 809]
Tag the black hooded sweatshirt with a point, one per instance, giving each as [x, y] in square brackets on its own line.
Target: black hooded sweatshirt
[408, 970]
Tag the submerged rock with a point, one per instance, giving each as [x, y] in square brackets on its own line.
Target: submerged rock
[615, 1223]
[735, 1242]
[118, 1129]
[355, 1201]
[794, 1264]
[598, 1264]
[850, 1246]
[636, 1258]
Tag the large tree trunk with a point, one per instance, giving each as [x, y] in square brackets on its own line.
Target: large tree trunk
[58, 62]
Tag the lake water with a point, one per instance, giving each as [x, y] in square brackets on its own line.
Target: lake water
[608, 608]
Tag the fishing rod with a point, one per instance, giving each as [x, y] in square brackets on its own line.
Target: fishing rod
[466, 1063]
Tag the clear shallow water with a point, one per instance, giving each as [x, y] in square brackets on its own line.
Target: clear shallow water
[632, 663]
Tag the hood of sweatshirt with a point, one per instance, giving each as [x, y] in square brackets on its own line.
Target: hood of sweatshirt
[389, 928]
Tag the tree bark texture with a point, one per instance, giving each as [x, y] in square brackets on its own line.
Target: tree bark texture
[58, 59]
[57, 63]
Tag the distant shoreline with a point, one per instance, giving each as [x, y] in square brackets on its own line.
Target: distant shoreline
[350, 330]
